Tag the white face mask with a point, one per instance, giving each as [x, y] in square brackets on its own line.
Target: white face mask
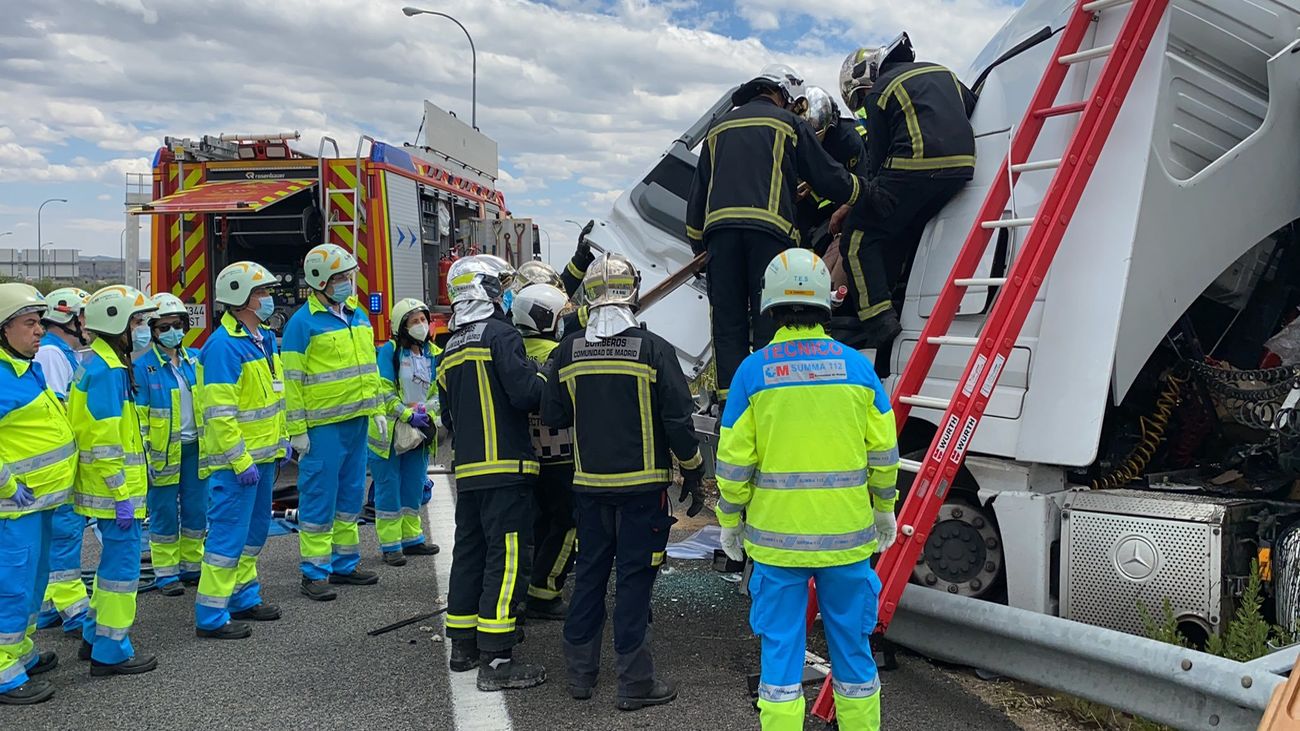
[419, 332]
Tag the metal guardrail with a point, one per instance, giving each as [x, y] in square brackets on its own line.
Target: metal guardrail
[1165, 683]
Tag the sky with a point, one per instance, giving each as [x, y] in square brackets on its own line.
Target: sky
[582, 96]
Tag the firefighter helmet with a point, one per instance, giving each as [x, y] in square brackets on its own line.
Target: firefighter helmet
[537, 309]
[796, 277]
[170, 304]
[237, 281]
[325, 261]
[862, 67]
[480, 278]
[536, 272]
[109, 311]
[65, 304]
[774, 76]
[612, 280]
[17, 299]
[820, 111]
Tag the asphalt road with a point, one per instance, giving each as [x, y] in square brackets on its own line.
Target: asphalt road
[317, 669]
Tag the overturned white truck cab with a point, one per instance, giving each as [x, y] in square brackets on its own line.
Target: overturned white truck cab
[1139, 371]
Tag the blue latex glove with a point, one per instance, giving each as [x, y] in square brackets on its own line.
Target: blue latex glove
[249, 477]
[125, 514]
[288, 456]
[421, 420]
[23, 497]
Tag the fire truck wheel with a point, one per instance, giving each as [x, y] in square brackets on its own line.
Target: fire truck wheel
[964, 552]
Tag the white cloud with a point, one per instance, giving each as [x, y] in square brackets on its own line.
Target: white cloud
[103, 197]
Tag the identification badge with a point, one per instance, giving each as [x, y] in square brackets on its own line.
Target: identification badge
[277, 386]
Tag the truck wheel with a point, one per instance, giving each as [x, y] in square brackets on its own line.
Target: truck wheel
[963, 554]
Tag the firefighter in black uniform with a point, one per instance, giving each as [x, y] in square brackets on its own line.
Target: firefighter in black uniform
[571, 278]
[841, 140]
[487, 386]
[620, 388]
[741, 206]
[920, 153]
[536, 314]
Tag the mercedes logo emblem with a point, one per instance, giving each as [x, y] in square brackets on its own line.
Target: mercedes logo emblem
[1136, 557]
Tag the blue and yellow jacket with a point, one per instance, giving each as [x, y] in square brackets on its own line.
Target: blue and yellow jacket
[330, 371]
[393, 406]
[808, 450]
[240, 394]
[159, 400]
[110, 437]
[37, 447]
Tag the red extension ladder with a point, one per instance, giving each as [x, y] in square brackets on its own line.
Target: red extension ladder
[1017, 290]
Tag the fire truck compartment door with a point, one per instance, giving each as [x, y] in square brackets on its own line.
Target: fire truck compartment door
[240, 196]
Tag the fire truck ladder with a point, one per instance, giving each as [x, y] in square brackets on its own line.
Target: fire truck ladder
[353, 195]
[935, 473]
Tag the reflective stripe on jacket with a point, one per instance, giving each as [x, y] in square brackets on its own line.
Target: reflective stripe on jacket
[807, 449]
[629, 407]
[243, 408]
[158, 396]
[918, 120]
[37, 447]
[553, 446]
[330, 373]
[391, 397]
[110, 437]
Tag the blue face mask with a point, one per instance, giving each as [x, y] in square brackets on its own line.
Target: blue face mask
[171, 337]
[141, 336]
[341, 291]
[265, 308]
[507, 299]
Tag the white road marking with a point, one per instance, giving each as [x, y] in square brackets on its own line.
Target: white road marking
[473, 709]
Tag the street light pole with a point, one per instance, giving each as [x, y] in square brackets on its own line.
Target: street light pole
[40, 260]
[412, 12]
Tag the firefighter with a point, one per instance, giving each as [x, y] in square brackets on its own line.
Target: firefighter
[816, 503]
[241, 395]
[38, 462]
[840, 139]
[66, 600]
[920, 153]
[741, 206]
[620, 388]
[487, 386]
[114, 473]
[536, 314]
[178, 497]
[407, 364]
[333, 392]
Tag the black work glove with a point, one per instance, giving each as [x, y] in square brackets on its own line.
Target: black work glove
[584, 246]
[693, 486]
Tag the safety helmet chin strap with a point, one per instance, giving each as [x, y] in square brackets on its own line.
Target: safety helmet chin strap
[75, 331]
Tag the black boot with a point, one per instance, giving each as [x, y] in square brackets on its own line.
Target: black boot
[394, 558]
[83, 652]
[505, 673]
[662, 692]
[28, 694]
[547, 610]
[261, 613]
[135, 666]
[421, 549]
[464, 656]
[44, 664]
[359, 577]
[227, 631]
[317, 591]
[174, 588]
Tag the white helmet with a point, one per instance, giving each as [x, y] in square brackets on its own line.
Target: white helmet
[536, 272]
[612, 280]
[796, 277]
[481, 278]
[170, 304]
[772, 76]
[820, 111]
[109, 311]
[65, 304]
[537, 309]
[237, 281]
[862, 67]
[401, 309]
[325, 261]
[17, 299]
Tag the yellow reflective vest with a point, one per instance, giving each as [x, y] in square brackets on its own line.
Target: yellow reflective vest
[159, 398]
[807, 450]
[330, 370]
[110, 437]
[240, 394]
[37, 447]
